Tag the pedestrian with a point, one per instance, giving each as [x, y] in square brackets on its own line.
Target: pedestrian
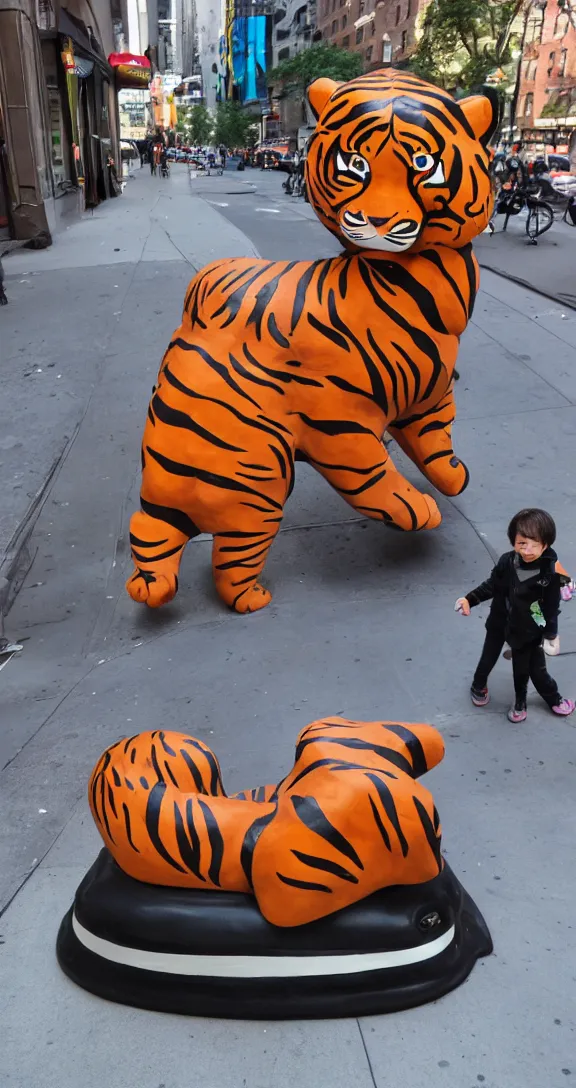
[3, 299]
[524, 588]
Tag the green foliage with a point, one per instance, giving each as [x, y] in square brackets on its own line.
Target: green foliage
[464, 40]
[194, 123]
[201, 125]
[234, 127]
[320, 60]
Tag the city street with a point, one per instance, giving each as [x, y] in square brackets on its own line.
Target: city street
[362, 623]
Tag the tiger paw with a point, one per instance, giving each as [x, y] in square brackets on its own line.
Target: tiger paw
[256, 598]
[153, 590]
[452, 478]
[435, 517]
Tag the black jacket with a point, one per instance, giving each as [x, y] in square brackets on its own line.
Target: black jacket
[525, 598]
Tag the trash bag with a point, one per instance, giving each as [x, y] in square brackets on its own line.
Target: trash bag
[240, 165]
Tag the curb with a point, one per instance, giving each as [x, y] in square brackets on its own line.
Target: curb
[528, 286]
[17, 559]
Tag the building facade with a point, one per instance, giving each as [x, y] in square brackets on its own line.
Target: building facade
[59, 128]
[546, 109]
[293, 27]
[382, 31]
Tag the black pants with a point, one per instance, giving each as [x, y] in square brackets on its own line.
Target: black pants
[528, 663]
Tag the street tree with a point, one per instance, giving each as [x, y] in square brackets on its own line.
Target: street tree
[320, 60]
[234, 127]
[200, 125]
[464, 41]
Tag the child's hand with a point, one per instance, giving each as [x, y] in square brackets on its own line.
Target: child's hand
[462, 606]
[551, 646]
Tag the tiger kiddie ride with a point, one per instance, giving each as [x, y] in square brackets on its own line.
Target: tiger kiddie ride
[326, 895]
[277, 361]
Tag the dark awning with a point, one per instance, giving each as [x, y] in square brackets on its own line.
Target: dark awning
[84, 44]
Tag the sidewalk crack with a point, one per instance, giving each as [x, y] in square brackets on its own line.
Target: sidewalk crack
[370, 1067]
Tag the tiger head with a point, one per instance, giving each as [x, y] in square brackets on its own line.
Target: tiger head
[395, 163]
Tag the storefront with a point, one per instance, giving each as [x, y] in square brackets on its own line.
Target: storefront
[549, 136]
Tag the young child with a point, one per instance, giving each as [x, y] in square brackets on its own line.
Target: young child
[524, 587]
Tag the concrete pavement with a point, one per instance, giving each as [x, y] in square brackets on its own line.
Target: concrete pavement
[362, 623]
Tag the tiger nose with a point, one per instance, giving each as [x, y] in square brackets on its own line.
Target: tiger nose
[376, 222]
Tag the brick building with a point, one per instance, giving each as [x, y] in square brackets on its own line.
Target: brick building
[383, 31]
[546, 112]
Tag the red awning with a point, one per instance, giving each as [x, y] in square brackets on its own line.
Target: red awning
[131, 70]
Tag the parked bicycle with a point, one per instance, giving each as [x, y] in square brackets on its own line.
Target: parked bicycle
[569, 216]
[519, 198]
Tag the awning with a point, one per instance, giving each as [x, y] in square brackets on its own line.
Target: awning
[83, 44]
[131, 70]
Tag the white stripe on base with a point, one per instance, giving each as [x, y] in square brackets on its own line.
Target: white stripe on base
[258, 966]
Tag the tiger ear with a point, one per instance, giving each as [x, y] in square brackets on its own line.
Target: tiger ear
[482, 112]
[320, 92]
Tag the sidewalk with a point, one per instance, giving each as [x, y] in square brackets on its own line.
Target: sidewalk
[112, 282]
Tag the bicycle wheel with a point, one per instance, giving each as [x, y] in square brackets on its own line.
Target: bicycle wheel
[540, 219]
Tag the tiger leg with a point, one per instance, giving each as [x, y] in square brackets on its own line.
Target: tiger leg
[238, 559]
[237, 563]
[363, 472]
[157, 549]
[428, 443]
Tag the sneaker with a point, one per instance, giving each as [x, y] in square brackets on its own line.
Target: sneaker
[565, 707]
[479, 696]
[517, 714]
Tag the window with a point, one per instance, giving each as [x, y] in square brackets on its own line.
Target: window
[551, 61]
[534, 27]
[346, 42]
[334, 29]
[333, 5]
[344, 22]
[284, 54]
[281, 35]
[530, 72]
[404, 45]
[562, 62]
[361, 6]
[409, 9]
[369, 54]
[561, 25]
[359, 35]
[398, 14]
[386, 52]
[528, 105]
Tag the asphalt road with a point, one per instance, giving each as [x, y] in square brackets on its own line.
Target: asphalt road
[361, 623]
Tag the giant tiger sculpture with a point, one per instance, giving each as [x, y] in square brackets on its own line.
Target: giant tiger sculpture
[280, 360]
[324, 895]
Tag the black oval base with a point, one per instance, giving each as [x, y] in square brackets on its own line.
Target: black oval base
[213, 954]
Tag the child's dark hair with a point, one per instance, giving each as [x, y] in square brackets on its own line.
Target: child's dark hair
[536, 524]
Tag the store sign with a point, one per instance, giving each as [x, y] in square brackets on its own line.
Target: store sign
[555, 123]
[131, 70]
